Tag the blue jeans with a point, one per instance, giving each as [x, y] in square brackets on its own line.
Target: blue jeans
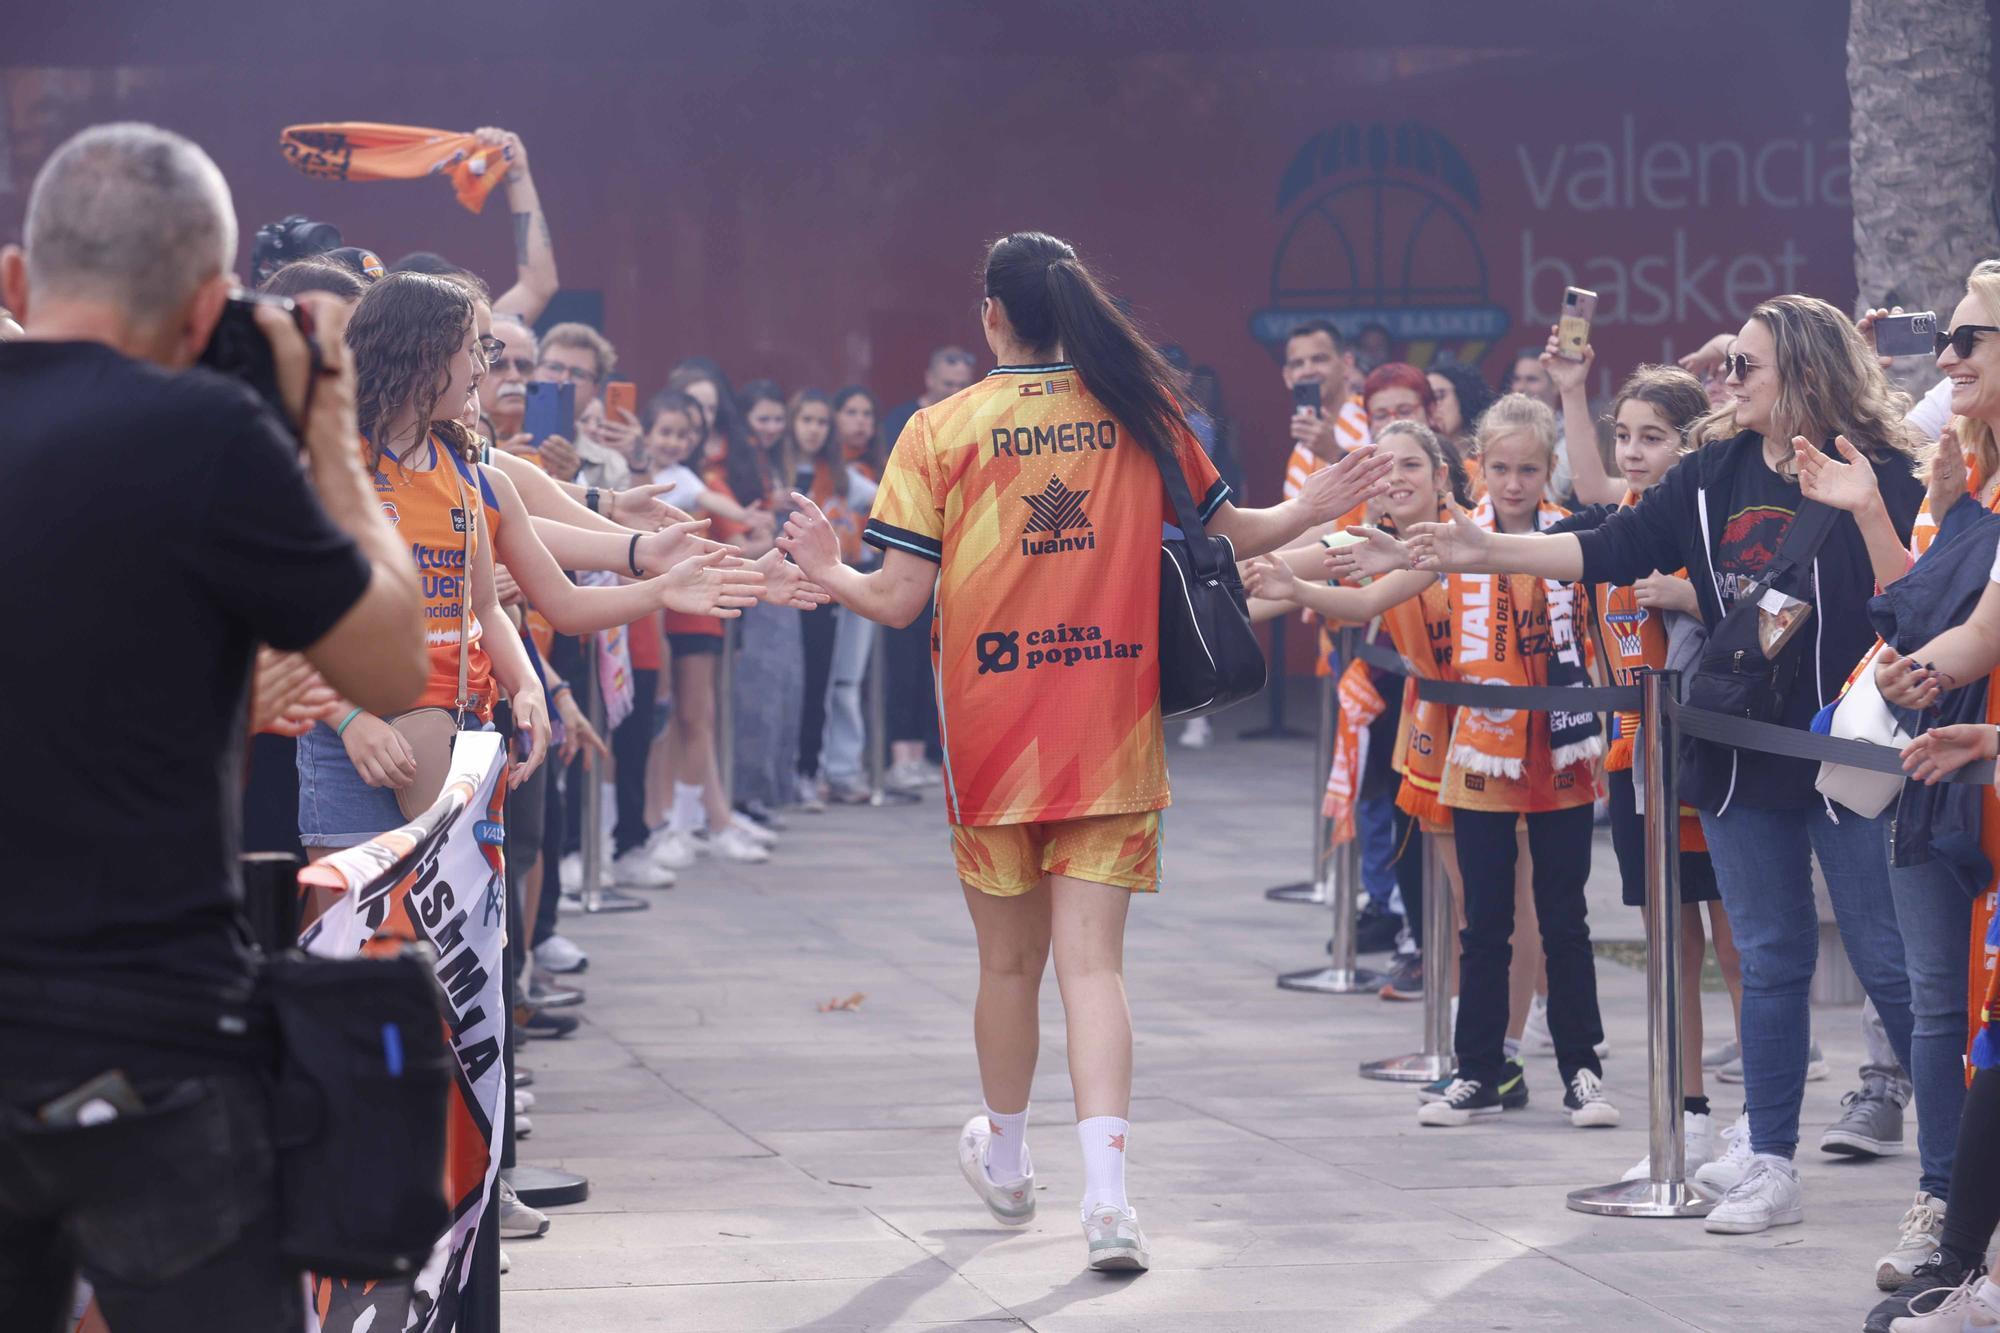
[846, 727]
[1763, 865]
[1375, 822]
[1935, 916]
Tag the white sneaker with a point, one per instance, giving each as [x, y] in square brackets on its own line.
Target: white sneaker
[506, 1264]
[1012, 1202]
[517, 1220]
[1697, 1143]
[909, 775]
[569, 874]
[1715, 1057]
[1767, 1196]
[733, 844]
[1921, 1227]
[811, 799]
[1535, 1038]
[675, 851]
[1817, 1069]
[754, 831]
[524, 1101]
[635, 869]
[1586, 1103]
[1972, 1308]
[524, 1126]
[1116, 1245]
[1197, 734]
[1723, 1171]
[558, 955]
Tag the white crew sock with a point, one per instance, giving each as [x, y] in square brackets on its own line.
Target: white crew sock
[689, 814]
[1007, 1150]
[1103, 1141]
[1989, 1291]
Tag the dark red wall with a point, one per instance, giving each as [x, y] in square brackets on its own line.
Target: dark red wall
[805, 191]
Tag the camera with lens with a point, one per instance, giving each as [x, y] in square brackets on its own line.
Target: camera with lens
[279, 243]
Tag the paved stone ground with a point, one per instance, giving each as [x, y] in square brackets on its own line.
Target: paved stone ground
[756, 1164]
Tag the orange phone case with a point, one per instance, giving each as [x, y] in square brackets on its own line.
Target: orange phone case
[621, 396]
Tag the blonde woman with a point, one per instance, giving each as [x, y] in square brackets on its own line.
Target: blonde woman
[1798, 368]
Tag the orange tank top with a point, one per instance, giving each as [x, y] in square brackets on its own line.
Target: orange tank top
[428, 506]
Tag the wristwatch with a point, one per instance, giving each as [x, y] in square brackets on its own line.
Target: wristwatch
[590, 498]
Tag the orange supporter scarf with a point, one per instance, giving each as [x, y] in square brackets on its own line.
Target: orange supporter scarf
[1486, 650]
[359, 150]
[1360, 703]
[1421, 631]
[1635, 636]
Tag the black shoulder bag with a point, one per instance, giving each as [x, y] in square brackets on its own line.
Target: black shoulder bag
[1209, 655]
[1734, 676]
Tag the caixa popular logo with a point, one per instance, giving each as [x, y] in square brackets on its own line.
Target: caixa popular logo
[1377, 237]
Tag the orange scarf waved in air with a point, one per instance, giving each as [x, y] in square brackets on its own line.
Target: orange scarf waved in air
[1486, 650]
[359, 150]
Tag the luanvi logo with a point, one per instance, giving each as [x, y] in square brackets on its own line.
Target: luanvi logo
[1057, 510]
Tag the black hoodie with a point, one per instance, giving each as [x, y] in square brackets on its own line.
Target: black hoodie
[1666, 531]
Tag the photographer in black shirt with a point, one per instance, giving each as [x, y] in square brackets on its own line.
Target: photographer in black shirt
[156, 525]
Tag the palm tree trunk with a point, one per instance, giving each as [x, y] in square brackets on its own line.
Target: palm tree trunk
[1921, 144]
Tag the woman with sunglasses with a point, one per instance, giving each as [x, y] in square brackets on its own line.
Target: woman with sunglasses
[1958, 1198]
[1799, 368]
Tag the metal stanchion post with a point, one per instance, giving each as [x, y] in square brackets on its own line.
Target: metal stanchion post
[1313, 892]
[597, 897]
[1434, 1061]
[876, 683]
[1665, 1192]
[725, 713]
[1275, 727]
[593, 781]
[1340, 976]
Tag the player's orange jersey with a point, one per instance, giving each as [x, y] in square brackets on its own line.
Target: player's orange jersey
[426, 507]
[1045, 515]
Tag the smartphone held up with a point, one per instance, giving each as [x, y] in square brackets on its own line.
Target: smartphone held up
[1573, 328]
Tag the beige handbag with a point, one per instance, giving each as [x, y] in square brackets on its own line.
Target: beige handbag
[430, 732]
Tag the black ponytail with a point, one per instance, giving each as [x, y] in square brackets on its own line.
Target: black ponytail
[1052, 298]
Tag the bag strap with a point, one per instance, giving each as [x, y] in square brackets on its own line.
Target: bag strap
[1207, 560]
[460, 703]
[1811, 525]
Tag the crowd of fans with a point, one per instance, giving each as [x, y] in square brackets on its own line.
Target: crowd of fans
[641, 544]
[1506, 520]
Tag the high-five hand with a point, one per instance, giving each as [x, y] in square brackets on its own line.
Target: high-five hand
[1456, 544]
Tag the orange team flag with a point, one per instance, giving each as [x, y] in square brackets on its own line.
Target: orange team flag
[359, 150]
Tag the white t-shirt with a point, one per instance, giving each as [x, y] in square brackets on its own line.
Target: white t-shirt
[687, 487]
[1932, 411]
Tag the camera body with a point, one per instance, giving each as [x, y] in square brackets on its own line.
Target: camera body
[238, 348]
[297, 237]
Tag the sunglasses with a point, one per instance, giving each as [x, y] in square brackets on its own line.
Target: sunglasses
[1737, 364]
[1960, 339]
[520, 365]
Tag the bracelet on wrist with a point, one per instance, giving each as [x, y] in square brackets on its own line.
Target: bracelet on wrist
[632, 558]
[341, 730]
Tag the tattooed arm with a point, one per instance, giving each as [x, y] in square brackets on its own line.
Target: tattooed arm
[535, 281]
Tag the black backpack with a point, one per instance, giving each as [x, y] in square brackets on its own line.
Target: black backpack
[1209, 655]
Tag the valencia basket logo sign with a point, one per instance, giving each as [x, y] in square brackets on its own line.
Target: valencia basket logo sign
[1378, 233]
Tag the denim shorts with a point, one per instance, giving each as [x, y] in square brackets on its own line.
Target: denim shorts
[337, 808]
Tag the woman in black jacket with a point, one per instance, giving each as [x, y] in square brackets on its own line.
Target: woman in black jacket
[1798, 369]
